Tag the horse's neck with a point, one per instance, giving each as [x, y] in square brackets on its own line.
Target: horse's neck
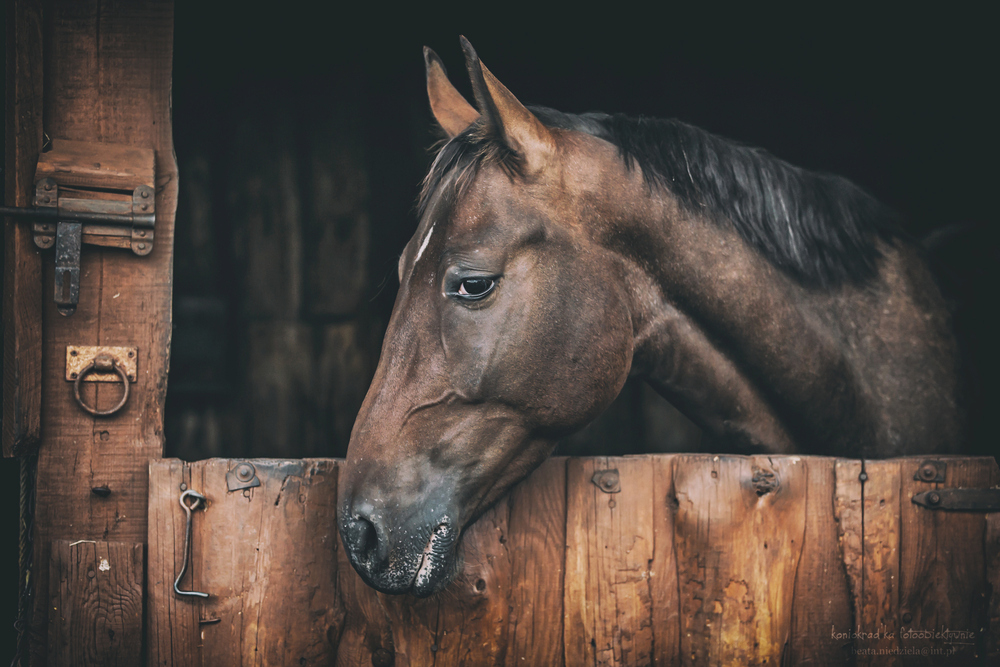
[761, 362]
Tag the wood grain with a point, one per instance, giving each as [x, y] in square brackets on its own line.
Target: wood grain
[941, 574]
[663, 583]
[266, 556]
[96, 600]
[107, 79]
[879, 610]
[536, 541]
[609, 545]
[739, 531]
[92, 165]
[22, 275]
[822, 600]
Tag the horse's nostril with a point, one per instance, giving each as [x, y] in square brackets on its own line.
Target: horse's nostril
[362, 538]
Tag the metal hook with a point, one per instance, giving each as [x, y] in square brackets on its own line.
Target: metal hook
[198, 501]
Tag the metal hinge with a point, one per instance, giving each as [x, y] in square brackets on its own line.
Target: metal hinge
[960, 500]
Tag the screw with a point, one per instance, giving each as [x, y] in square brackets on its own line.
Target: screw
[145, 207]
[934, 498]
[145, 195]
[141, 233]
[184, 487]
[73, 375]
[48, 186]
[72, 353]
[142, 246]
[863, 477]
[131, 354]
[47, 199]
[244, 472]
[928, 471]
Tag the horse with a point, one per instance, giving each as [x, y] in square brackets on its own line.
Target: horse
[783, 311]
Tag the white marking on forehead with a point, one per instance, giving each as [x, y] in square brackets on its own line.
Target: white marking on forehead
[423, 245]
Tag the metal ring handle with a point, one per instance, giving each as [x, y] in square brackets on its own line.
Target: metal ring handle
[102, 363]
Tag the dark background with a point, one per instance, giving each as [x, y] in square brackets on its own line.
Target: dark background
[302, 135]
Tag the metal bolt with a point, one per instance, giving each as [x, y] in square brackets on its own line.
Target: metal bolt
[142, 233]
[863, 477]
[244, 472]
[101, 491]
[907, 617]
[145, 207]
[934, 498]
[928, 471]
[48, 186]
[47, 199]
[142, 246]
[184, 487]
[145, 194]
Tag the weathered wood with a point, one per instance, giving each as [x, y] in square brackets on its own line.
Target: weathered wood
[688, 567]
[536, 538]
[95, 593]
[941, 575]
[22, 278]
[879, 608]
[172, 622]
[991, 643]
[107, 79]
[822, 589]
[91, 165]
[265, 555]
[609, 545]
[739, 531]
[663, 584]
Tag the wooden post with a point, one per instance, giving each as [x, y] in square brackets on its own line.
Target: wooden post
[22, 279]
[107, 79]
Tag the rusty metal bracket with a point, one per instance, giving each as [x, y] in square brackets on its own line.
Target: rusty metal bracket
[242, 476]
[931, 471]
[68, 223]
[960, 500]
[79, 357]
[607, 481]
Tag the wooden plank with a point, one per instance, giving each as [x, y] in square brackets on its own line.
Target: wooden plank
[878, 620]
[609, 545]
[93, 165]
[172, 636]
[22, 277]
[991, 646]
[848, 511]
[663, 584]
[96, 600]
[822, 602]
[267, 558]
[107, 80]
[738, 534]
[943, 585]
[536, 539]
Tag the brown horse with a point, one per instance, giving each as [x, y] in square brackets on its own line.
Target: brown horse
[557, 254]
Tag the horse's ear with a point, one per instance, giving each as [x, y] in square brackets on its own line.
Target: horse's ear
[450, 109]
[520, 129]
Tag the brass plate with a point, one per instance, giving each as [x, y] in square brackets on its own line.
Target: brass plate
[78, 357]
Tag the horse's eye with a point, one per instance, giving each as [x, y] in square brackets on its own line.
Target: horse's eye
[475, 288]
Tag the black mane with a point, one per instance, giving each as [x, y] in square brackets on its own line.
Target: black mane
[819, 228]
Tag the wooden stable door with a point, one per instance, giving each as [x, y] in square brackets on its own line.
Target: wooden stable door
[639, 560]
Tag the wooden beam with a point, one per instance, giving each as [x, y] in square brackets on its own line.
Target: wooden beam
[96, 600]
[108, 80]
[22, 279]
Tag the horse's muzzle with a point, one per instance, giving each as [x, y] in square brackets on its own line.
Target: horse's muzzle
[417, 557]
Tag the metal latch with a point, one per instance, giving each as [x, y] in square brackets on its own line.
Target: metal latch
[90, 194]
[85, 363]
[960, 500]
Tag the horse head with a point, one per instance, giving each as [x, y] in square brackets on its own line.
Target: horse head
[507, 334]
